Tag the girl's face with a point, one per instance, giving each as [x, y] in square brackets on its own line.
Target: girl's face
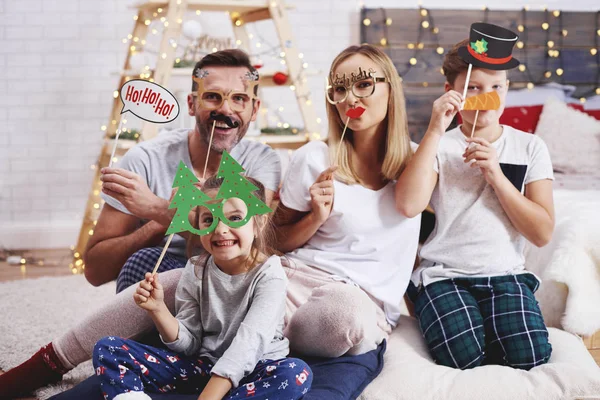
[375, 105]
[228, 244]
[483, 81]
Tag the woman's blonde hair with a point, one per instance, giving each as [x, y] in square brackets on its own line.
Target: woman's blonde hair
[397, 146]
[264, 242]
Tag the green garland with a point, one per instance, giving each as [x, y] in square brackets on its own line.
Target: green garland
[185, 64]
[129, 134]
[280, 131]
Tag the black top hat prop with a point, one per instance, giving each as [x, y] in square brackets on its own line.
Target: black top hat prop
[490, 46]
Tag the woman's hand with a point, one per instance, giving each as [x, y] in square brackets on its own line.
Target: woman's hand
[486, 159]
[149, 294]
[321, 195]
[444, 110]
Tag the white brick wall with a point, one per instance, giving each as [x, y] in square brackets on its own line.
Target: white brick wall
[57, 65]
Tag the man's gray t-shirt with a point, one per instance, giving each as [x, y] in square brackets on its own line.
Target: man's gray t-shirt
[234, 320]
[473, 235]
[156, 162]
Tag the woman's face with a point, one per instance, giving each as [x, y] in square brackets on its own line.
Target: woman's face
[375, 105]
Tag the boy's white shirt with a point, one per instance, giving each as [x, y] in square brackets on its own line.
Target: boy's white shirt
[473, 236]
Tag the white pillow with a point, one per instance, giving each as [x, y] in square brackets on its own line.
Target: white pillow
[592, 103]
[410, 373]
[538, 95]
[572, 137]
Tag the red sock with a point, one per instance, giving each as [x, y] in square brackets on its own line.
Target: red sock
[43, 368]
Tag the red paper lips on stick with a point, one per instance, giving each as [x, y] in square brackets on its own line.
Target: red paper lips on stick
[353, 113]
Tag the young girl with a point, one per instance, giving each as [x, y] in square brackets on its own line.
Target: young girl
[472, 295]
[227, 338]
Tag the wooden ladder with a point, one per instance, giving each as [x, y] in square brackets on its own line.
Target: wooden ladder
[171, 13]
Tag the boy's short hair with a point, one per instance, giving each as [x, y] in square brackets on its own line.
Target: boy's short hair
[453, 64]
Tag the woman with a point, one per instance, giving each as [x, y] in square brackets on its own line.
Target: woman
[337, 216]
[356, 251]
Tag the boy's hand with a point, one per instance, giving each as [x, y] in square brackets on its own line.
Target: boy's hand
[486, 159]
[444, 110]
[149, 294]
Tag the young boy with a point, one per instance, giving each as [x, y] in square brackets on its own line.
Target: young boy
[473, 297]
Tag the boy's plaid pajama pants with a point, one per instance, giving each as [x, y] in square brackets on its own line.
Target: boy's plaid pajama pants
[469, 322]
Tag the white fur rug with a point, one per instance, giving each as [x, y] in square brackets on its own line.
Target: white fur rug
[576, 261]
[35, 311]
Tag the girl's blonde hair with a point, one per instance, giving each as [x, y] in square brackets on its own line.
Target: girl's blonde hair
[397, 145]
[264, 242]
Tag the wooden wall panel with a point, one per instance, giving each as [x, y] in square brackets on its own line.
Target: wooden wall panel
[423, 82]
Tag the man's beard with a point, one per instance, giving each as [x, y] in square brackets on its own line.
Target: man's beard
[205, 128]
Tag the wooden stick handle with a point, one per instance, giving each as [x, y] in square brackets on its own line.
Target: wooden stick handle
[164, 250]
[208, 152]
[474, 123]
[112, 155]
[341, 139]
[466, 85]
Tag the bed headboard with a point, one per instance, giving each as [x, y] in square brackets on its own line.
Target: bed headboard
[554, 46]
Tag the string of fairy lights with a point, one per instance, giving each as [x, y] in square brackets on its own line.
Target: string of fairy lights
[426, 25]
[137, 45]
[428, 31]
[260, 49]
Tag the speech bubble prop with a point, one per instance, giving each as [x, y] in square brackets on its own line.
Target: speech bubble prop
[148, 101]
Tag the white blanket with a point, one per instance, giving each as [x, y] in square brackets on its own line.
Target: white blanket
[410, 373]
[570, 264]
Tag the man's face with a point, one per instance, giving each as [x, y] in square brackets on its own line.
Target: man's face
[226, 80]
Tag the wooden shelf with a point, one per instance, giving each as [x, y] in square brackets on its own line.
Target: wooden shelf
[253, 10]
[266, 76]
[241, 12]
[291, 142]
[124, 144]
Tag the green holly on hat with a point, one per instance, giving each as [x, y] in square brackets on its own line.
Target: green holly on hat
[480, 46]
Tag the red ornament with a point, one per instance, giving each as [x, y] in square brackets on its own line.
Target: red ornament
[280, 78]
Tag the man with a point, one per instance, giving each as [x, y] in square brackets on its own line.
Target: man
[130, 233]
[132, 225]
